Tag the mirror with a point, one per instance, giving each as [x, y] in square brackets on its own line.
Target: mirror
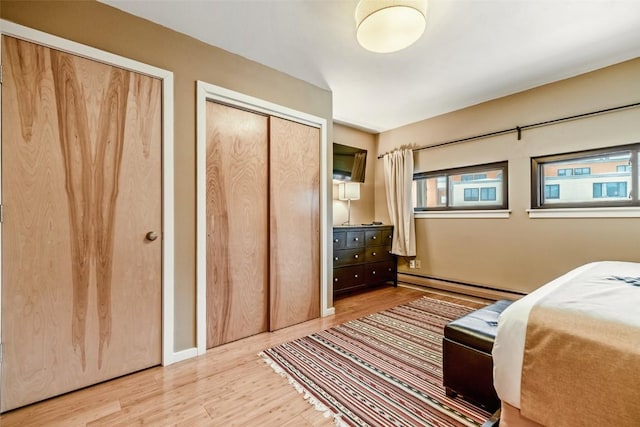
[349, 163]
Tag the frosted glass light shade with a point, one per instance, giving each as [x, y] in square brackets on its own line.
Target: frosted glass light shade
[349, 191]
[385, 26]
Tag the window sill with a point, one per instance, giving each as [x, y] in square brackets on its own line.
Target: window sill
[626, 212]
[494, 213]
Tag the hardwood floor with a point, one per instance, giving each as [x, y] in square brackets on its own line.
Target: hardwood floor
[228, 386]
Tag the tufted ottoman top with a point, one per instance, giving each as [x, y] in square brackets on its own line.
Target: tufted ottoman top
[478, 328]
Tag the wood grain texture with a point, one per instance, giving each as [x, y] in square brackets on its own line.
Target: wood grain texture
[237, 224]
[228, 386]
[91, 187]
[81, 183]
[295, 223]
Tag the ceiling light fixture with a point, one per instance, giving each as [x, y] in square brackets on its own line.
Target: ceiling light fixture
[385, 26]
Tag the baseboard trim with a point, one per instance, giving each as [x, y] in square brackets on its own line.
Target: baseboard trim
[328, 311]
[179, 356]
[458, 287]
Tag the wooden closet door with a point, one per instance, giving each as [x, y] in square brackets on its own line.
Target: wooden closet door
[237, 224]
[295, 223]
[81, 188]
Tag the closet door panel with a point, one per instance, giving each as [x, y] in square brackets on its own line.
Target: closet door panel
[295, 223]
[81, 187]
[237, 224]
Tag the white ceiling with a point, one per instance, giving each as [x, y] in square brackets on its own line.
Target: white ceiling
[472, 50]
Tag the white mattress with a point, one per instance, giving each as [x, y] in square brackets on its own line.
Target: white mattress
[508, 348]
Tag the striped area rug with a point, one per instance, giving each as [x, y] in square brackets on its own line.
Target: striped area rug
[384, 369]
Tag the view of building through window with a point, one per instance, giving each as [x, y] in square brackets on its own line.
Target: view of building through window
[586, 180]
[478, 187]
[607, 177]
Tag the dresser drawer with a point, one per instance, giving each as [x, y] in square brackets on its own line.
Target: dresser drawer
[355, 239]
[348, 277]
[339, 240]
[348, 257]
[374, 238]
[380, 272]
[387, 236]
[378, 253]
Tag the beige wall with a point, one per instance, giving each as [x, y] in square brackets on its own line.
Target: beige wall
[103, 27]
[363, 210]
[520, 253]
[516, 253]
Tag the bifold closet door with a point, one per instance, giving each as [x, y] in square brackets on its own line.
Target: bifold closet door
[81, 190]
[237, 223]
[295, 223]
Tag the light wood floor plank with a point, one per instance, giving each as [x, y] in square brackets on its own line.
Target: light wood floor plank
[229, 385]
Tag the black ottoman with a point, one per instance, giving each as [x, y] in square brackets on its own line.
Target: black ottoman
[467, 366]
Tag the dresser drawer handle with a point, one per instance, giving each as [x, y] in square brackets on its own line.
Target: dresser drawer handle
[373, 253]
[373, 272]
[335, 259]
[355, 275]
[374, 238]
[356, 256]
[335, 279]
[390, 269]
[355, 239]
[336, 240]
[389, 236]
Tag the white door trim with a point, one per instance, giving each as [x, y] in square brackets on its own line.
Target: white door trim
[205, 92]
[18, 31]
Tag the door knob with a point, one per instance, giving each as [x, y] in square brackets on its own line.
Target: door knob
[151, 236]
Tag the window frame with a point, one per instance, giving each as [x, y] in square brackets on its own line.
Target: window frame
[474, 194]
[555, 187]
[490, 191]
[581, 173]
[537, 184]
[605, 186]
[466, 170]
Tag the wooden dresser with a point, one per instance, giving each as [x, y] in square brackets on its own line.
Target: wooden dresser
[362, 258]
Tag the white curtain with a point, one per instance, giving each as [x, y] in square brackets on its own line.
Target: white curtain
[398, 173]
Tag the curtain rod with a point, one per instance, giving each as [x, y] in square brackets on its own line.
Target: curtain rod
[519, 129]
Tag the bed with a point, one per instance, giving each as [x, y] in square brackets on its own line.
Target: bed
[568, 354]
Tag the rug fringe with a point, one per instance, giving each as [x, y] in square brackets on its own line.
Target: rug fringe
[318, 406]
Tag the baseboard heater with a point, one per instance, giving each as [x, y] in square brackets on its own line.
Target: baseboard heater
[458, 286]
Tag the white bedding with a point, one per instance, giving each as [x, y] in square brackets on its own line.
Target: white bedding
[508, 348]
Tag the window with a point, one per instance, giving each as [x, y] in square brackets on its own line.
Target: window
[552, 191]
[488, 193]
[598, 178]
[430, 192]
[582, 171]
[470, 194]
[474, 177]
[609, 189]
[473, 187]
